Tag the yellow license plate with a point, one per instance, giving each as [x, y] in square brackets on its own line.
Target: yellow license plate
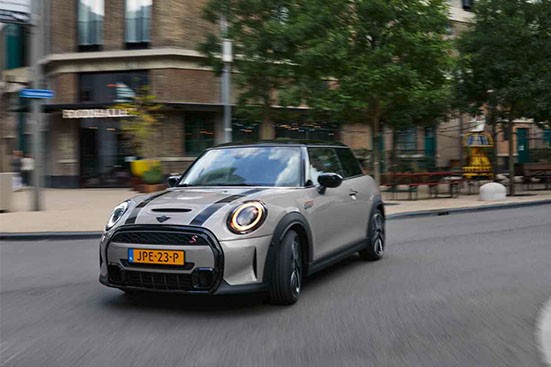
[159, 257]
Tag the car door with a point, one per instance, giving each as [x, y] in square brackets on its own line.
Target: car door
[357, 185]
[327, 212]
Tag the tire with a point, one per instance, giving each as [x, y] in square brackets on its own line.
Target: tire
[375, 237]
[287, 273]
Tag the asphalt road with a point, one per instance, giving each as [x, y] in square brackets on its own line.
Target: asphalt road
[457, 290]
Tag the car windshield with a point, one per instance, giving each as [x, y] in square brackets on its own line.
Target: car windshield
[246, 166]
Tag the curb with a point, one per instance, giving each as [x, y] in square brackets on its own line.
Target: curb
[440, 212]
[421, 213]
[50, 236]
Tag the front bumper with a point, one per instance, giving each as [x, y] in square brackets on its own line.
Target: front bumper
[211, 267]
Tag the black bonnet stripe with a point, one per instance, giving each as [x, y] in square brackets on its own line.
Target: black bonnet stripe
[210, 210]
[132, 217]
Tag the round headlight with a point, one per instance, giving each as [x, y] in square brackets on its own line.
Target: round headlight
[117, 214]
[247, 217]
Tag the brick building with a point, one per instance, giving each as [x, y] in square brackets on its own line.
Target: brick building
[100, 50]
[97, 53]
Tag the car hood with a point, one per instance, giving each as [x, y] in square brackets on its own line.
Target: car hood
[189, 206]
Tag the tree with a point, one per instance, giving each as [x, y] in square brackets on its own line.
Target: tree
[258, 31]
[143, 122]
[373, 61]
[504, 61]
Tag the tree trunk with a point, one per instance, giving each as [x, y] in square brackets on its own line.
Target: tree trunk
[376, 152]
[511, 159]
[267, 129]
[394, 152]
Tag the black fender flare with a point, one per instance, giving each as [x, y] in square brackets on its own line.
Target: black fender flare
[288, 221]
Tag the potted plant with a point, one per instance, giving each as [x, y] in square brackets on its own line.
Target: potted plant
[141, 127]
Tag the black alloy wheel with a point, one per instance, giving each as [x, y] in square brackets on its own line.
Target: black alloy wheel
[287, 275]
[375, 237]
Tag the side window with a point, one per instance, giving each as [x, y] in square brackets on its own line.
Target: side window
[322, 160]
[349, 163]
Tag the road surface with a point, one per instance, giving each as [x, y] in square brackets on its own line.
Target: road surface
[457, 290]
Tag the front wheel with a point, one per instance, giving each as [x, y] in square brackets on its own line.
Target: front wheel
[375, 237]
[287, 273]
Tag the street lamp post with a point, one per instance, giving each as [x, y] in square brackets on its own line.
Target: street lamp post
[36, 104]
[227, 59]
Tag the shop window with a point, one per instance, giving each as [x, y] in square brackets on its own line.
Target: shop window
[90, 25]
[111, 87]
[406, 140]
[137, 23]
[199, 134]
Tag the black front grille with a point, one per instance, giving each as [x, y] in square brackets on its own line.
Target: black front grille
[149, 280]
[160, 238]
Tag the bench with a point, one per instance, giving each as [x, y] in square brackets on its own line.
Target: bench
[528, 171]
[413, 180]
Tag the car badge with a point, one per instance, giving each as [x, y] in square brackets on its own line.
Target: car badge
[163, 218]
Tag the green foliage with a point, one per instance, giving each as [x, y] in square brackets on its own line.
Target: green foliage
[142, 126]
[153, 175]
[261, 48]
[382, 61]
[505, 60]
[370, 61]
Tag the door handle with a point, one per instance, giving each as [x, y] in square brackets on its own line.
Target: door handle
[353, 192]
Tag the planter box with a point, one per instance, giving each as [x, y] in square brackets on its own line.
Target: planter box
[146, 189]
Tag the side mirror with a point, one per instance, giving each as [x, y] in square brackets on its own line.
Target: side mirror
[172, 181]
[330, 180]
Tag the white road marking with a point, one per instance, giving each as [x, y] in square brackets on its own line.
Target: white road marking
[543, 331]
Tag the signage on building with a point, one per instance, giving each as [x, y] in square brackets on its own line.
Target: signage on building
[15, 11]
[37, 93]
[95, 113]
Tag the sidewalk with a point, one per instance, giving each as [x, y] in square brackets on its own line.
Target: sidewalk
[87, 210]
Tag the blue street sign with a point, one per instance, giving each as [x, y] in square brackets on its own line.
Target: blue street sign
[37, 93]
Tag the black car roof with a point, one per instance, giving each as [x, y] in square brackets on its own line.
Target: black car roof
[282, 142]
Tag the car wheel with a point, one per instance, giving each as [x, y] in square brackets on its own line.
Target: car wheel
[375, 237]
[287, 273]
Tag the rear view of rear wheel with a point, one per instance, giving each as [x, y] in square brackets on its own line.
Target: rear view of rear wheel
[375, 237]
[287, 274]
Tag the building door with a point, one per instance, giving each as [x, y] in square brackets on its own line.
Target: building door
[522, 145]
[430, 148]
[102, 155]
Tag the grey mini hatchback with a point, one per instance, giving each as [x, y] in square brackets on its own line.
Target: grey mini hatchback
[246, 218]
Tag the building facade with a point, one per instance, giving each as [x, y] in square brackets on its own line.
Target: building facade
[100, 53]
[103, 52]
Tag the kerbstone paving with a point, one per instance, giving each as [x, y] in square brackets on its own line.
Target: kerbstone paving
[87, 210]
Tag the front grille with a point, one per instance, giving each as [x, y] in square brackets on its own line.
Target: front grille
[149, 280]
[160, 238]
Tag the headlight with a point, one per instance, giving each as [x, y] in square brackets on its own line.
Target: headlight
[117, 214]
[247, 217]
